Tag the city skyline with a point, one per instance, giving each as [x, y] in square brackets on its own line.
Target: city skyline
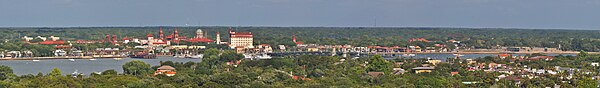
[536, 14]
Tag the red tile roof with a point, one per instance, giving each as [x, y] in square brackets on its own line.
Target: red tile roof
[149, 35]
[199, 40]
[58, 42]
[241, 34]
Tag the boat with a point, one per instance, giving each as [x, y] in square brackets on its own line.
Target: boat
[72, 60]
[92, 59]
[75, 74]
[409, 55]
[179, 56]
[35, 60]
[263, 56]
[118, 58]
[247, 56]
[458, 55]
[197, 56]
[143, 55]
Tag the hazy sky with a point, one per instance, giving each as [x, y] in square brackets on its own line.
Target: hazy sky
[578, 14]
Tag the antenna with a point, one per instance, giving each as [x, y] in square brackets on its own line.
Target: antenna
[375, 25]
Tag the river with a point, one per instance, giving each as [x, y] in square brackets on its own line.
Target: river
[86, 66]
[23, 67]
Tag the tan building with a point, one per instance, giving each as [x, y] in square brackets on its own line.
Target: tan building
[165, 70]
[240, 39]
[423, 69]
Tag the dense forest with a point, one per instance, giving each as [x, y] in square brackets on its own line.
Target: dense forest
[576, 40]
[305, 71]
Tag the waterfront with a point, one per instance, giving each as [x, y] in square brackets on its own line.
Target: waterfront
[86, 66]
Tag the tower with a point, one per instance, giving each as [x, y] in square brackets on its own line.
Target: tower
[161, 35]
[218, 38]
[294, 38]
[107, 39]
[199, 33]
[114, 39]
[176, 35]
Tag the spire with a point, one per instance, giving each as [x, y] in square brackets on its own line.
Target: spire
[230, 30]
[107, 37]
[176, 37]
[294, 38]
[218, 38]
[161, 34]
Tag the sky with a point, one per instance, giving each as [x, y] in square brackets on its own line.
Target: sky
[538, 14]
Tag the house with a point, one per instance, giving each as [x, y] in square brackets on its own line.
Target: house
[397, 71]
[312, 48]
[503, 56]
[375, 74]
[166, 70]
[300, 78]
[594, 64]
[423, 69]
[453, 73]
[434, 62]
[547, 58]
[507, 71]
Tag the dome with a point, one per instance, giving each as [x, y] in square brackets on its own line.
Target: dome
[199, 31]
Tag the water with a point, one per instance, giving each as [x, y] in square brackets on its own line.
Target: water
[85, 66]
[23, 67]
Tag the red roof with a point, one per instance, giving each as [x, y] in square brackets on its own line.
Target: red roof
[199, 40]
[453, 73]
[125, 38]
[241, 34]
[149, 35]
[504, 55]
[170, 36]
[159, 42]
[58, 42]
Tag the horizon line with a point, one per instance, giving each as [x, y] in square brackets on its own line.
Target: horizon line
[454, 27]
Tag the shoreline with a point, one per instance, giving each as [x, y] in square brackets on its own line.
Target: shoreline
[481, 52]
[62, 57]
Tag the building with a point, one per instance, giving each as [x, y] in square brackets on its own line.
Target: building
[397, 71]
[423, 69]
[165, 70]
[57, 42]
[265, 48]
[199, 33]
[199, 38]
[240, 39]
[218, 39]
[27, 39]
[154, 41]
[375, 74]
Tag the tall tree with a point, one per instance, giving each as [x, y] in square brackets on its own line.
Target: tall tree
[137, 67]
[378, 64]
[55, 72]
[5, 72]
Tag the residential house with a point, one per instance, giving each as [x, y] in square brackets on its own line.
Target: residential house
[165, 70]
[397, 71]
[375, 74]
[423, 69]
